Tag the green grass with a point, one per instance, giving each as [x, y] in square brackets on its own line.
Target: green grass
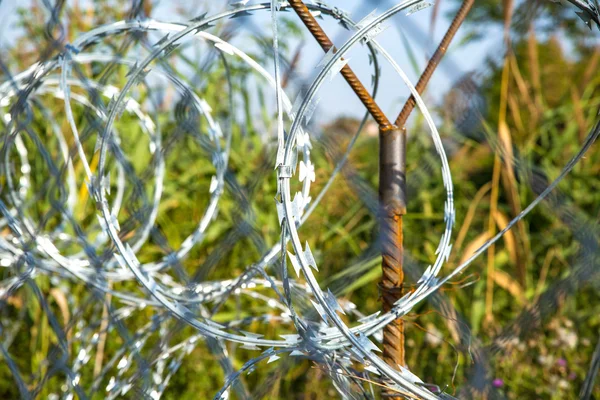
[535, 269]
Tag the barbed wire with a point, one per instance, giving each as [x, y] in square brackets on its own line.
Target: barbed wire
[101, 249]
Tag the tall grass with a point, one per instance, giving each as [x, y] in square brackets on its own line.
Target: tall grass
[525, 319]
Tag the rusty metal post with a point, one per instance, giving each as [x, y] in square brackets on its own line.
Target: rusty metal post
[392, 199]
[392, 176]
[326, 44]
[391, 194]
[433, 63]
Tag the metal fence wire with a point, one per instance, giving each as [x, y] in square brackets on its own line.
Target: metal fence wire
[89, 149]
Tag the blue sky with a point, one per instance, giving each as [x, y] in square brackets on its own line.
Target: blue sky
[340, 100]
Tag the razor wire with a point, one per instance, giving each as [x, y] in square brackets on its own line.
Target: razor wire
[107, 258]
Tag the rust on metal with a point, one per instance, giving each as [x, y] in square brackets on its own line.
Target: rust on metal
[392, 198]
[434, 61]
[319, 34]
[392, 176]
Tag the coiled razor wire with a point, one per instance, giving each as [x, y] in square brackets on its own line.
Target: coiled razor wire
[105, 258]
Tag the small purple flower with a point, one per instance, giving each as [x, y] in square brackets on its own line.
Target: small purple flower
[561, 362]
[572, 376]
[497, 383]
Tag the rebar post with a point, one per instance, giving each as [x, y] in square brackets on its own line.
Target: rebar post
[392, 150]
[326, 44]
[392, 175]
[434, 61]
[392, 198]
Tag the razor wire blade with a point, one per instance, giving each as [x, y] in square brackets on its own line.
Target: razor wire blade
[89, 246]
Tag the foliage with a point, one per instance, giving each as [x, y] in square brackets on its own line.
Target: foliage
[483, 322]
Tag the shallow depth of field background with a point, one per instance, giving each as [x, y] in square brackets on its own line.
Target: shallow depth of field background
[527, 313]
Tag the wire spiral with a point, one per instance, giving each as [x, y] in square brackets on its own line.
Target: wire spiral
[50, 229]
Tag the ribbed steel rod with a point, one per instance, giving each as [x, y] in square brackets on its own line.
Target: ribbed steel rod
[391, 194]
[319, 34]
[392, 175]
[392, 199]
[434, 61]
